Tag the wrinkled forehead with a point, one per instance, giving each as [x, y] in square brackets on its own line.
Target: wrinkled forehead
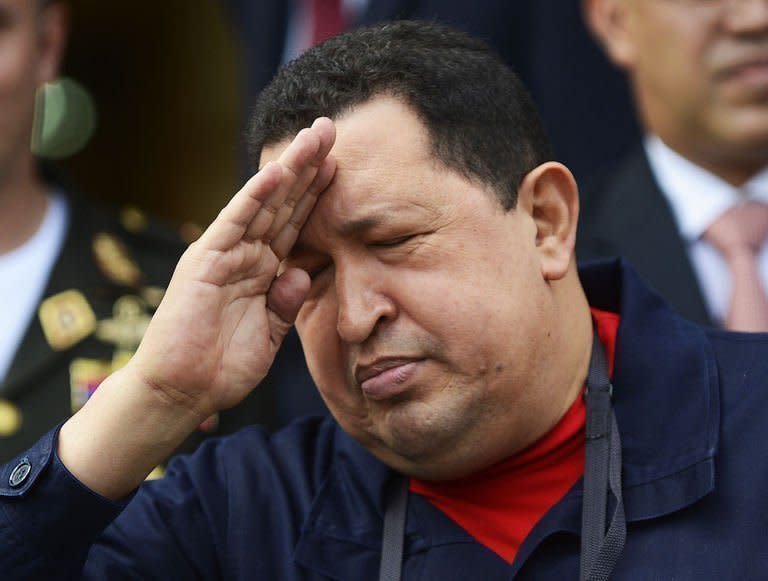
[384, 167]
[381, 151]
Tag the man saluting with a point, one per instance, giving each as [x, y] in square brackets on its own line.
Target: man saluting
[408, 218]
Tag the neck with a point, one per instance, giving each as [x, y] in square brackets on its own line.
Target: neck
[734, 174]
[575, 345]
[23, 202]
[735, 170]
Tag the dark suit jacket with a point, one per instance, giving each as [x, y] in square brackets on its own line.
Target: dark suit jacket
[626, 214]
[39, 381]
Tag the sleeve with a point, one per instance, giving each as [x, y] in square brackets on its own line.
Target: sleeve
[48, 519]
[53, 527]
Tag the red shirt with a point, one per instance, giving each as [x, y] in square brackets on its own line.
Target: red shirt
[500, 505]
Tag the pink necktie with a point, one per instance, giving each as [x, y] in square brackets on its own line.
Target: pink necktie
[739, 234]
[327, 19]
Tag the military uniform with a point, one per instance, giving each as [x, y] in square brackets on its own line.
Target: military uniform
[108, 279]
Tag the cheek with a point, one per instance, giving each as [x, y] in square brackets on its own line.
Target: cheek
[316, 325]
[326, 357]
[17, 92]
[493, 322]
[17, 64]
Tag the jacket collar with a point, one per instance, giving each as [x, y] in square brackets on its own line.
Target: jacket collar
[341, 536]
[666, 393]
[666, 401]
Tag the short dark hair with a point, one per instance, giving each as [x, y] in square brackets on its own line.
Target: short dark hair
[479, 116]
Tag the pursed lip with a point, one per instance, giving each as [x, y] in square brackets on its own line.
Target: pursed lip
[385, 379]
[379, 366]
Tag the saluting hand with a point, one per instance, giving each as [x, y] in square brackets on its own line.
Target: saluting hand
[225, 313]
[216, 332]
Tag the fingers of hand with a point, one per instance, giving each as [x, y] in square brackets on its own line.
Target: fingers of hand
[286, 296]
[235, 218]
[300, 161]
[286, 236]
[254, 209]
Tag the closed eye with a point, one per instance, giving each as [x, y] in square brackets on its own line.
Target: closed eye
[316, 271]
[394, 241]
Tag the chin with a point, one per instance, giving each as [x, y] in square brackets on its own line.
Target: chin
[417, 435]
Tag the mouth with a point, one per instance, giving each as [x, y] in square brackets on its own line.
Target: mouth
[751, 72]
[386, 378]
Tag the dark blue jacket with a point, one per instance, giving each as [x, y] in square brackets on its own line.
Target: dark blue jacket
[307, 502]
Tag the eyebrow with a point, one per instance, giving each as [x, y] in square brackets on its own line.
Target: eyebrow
[359, 225]
[347, 229]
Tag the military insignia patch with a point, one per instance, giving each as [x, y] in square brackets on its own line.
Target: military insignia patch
[85, 375]
[10, 419]
[127, 325]
[114, 260]
[66, 319]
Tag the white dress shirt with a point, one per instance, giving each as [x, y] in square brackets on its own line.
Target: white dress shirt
[698, 198]
[24, 273]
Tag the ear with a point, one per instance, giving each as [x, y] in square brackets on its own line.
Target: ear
[609, 21]
[550, 194]
[53, 23]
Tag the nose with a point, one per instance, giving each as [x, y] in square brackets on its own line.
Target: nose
[363, 301]
[746, 16]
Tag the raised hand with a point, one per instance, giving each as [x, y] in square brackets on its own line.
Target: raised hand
[225, 313]
[216, 332]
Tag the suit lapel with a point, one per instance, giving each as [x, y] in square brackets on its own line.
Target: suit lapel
[630, 217]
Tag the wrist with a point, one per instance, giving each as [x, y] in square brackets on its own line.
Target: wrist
[126, 429]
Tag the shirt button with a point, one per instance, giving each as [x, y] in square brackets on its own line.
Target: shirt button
[20, 473]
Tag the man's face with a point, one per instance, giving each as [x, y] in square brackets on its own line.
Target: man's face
[428, 315]
[700, 72]
[28, 58]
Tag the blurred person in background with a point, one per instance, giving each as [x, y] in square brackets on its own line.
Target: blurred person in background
[78, 283]
[689, 208]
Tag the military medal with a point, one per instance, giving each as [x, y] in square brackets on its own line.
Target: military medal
[152, 295]
[10, 419]
[114, 260]
[66, 319]
[85, 375]
[128, 323]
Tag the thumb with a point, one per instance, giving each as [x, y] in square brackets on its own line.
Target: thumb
[284, 299]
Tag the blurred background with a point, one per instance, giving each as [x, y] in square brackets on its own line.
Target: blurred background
[172, 81]
[164, 78]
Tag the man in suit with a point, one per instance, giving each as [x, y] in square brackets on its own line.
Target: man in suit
[699, 73]
[78, 284]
